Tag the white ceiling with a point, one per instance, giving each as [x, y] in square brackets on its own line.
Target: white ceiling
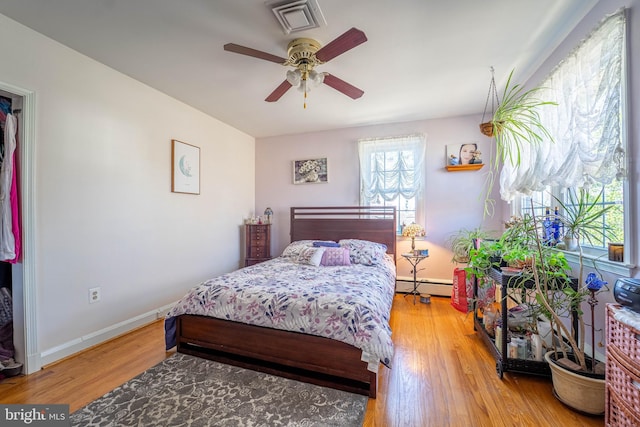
[423, 59]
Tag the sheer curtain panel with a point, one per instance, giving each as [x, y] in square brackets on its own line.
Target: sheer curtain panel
[586, 125]
[390, 167]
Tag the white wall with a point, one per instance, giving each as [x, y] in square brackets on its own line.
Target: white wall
[105, 213]
[453, 200]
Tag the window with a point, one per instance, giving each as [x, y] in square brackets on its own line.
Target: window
[611, 224]
[588, 128]
[391, 174]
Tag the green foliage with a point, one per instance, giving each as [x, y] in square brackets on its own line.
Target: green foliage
[486, 256]
[582, 216]
[516, 121]
[462, 242]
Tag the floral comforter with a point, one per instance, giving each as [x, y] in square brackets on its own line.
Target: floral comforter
[351, 304]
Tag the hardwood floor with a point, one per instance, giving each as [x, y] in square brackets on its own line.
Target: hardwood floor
[442, 375]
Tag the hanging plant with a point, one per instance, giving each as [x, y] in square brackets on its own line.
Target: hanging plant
[516, 121]
[514, 124]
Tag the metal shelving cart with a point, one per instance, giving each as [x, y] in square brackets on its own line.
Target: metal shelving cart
[508, 284]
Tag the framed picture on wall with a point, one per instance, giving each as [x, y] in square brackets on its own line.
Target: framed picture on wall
[310, 171]
[465, 156]
[185, 168]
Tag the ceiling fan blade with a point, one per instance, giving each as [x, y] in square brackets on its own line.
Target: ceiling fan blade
[280, 90]
[342, 86]
[340, 45]
[235, 48]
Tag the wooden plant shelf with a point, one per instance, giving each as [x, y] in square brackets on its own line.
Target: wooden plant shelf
[460, 168]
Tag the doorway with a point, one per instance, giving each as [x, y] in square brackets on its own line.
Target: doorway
[23, 286]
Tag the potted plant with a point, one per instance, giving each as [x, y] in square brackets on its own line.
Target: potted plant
[577, 377]
[462, 242]
[580, 219]
[486, 255]
[515, 123]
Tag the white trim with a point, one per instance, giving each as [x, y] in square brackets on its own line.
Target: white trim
[440, 287]
[94, 338]
[28, 324]
[618, 268]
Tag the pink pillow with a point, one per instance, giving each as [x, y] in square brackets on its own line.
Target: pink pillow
[335, 256]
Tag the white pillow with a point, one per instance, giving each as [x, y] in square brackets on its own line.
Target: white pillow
[311, 256]
[293, 249]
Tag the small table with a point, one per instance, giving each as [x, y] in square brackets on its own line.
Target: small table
[414, 260]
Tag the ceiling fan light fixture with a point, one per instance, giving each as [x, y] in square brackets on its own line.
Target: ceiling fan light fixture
[303, 55]
[294, 77]
[316, 78]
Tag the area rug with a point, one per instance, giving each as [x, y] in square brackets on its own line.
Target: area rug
[185, 390]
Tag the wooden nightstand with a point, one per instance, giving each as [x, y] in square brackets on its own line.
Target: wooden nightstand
[257, 243]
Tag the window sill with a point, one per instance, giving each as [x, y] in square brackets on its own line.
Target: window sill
[589, 260]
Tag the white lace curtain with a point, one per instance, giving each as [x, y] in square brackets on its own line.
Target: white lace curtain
[390, 167]
[586, 125]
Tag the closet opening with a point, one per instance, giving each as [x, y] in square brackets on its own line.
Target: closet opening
[11, 349]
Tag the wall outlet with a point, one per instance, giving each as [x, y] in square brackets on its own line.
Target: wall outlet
[94, 295]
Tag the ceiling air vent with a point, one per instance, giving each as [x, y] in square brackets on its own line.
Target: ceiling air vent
[297, 15]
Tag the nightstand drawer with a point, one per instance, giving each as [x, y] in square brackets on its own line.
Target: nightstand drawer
[257, 243]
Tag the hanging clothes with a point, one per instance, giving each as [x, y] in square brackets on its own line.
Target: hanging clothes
[13, 199]
[8, 193]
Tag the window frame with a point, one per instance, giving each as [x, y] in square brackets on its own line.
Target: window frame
[419, 197]
[598, 257]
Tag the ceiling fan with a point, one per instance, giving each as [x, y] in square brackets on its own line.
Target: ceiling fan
[304, 55]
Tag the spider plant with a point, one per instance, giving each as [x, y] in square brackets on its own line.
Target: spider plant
[462, 242]
[516, 121]
[581, 216]
[515, 124]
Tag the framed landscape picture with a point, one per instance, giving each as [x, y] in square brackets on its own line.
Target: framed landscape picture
[185, 168]
[310, 171]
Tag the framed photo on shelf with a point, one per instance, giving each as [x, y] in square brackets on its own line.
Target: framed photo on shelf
[310, 171]
[185, 168]
[465, 156]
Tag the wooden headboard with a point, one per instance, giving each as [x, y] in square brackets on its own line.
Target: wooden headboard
[373, 223]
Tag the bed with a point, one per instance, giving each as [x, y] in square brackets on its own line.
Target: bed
[325, 348]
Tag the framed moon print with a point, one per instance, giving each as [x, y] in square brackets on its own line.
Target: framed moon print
[185, 168]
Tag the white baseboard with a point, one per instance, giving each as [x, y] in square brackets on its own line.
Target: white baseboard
[82, 343]
[439, 287]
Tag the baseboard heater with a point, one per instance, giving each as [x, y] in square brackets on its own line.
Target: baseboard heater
[439, 287]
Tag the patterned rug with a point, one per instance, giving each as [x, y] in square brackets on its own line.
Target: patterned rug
[185, 390]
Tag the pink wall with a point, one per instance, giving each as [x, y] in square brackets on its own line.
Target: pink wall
[453, 200]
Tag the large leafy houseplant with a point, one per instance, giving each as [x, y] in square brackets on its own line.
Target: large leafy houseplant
[556, 293]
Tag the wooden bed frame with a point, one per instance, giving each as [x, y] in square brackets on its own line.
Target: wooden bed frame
[294, 355]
